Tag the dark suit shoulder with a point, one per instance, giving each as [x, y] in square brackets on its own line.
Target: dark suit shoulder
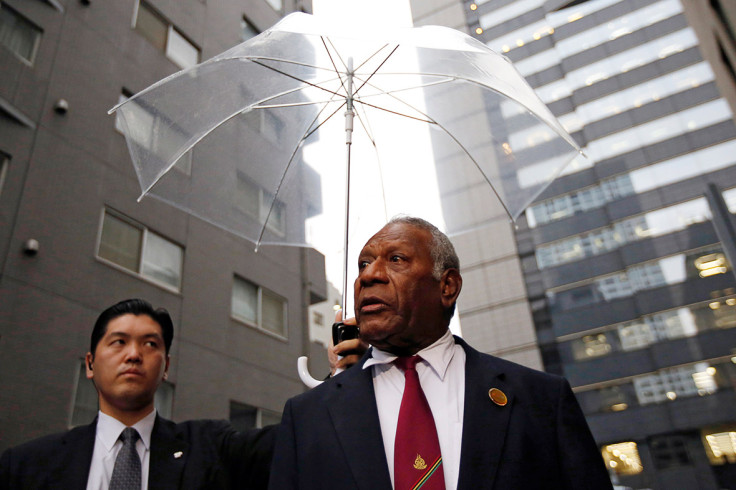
[244, 456]
[57, 457]
[38, 448]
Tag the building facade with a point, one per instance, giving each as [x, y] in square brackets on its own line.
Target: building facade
[626, 278]
[73, 239]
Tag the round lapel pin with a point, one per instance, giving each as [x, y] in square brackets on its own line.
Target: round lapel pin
[498, 397]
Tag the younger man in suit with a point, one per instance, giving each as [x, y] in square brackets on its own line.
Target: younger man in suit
[127, 361]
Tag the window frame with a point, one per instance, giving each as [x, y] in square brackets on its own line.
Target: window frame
[258, 324]
[36, 42]
[170, 26]
[183, 165]
[259, 413]
[145, 230]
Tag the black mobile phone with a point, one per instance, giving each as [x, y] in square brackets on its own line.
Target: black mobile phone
[341, 332]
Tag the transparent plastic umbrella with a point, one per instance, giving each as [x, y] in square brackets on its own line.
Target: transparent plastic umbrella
[315, 135]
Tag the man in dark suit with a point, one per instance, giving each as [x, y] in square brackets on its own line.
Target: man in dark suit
[497, 424]
[127, 361]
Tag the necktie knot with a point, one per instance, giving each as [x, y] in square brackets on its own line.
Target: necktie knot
[407, 363]
[129, 435]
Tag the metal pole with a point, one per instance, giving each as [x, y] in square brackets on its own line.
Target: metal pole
[349, 115]
[723, 222]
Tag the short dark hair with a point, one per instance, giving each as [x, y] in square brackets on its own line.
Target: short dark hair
[136, 307]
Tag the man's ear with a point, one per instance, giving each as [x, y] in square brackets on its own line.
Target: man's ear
[88, 360]
[166, 368]
[451, 284]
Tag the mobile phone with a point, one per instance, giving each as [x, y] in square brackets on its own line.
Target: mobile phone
[341, 332]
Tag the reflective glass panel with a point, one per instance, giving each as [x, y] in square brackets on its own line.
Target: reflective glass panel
[162, 260]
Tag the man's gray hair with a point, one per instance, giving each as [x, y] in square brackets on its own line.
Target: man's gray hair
[441, 249]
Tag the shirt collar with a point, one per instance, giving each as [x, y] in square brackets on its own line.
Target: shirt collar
[109, 429]
[438, 355]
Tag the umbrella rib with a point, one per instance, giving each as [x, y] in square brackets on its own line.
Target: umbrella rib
[459, 144]
[377, 68]
[326, 119]
[365, 125]
[283, 176]
[404, 89]
[334, 66]
[428, 120]
[297, 78]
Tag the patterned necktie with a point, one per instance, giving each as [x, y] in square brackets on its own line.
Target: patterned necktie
[417, 458]
[126, 474]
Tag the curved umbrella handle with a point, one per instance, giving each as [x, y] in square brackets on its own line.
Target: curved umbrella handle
[304, 375]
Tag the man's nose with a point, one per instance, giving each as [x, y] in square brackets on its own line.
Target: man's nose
[133, 352]
[373, 272]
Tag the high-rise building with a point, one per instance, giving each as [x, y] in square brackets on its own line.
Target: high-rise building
[626, 266]
[73, 239]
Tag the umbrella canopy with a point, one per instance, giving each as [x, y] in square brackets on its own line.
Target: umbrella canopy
[440, 127]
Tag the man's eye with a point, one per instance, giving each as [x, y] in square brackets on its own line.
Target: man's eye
[362, 264]
[117, 342]
[395, 258]
[152, 343]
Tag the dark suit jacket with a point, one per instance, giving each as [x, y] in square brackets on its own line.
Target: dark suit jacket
[330, 436]
[213, 455]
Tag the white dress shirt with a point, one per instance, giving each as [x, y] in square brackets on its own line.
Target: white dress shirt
[442, 376]
[107, 447]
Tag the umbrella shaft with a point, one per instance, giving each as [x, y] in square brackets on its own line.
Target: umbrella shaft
[349, 115]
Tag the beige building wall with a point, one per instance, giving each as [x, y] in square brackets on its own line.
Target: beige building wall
[494, 313]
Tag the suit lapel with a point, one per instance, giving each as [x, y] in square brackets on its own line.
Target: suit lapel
[352, 407]
[168, 456]
[484, 422]
[75, 457]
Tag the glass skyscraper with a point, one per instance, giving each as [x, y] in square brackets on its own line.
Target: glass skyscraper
[630, 290]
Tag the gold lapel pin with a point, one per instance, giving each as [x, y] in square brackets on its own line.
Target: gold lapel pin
[178, 454]
[498, 397]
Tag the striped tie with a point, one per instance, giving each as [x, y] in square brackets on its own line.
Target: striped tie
[417, 458]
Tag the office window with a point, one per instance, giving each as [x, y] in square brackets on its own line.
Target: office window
[247, 30]
[258, 307]
[256, 202]
[590, 346]
[672, 383]
[669, 451]
[165, 37]
[84, 408]
[720, 445]
[665, 271]
[18, 34]
[244, 416]
[148, 132]
[638, 181]
[652, 224]
[622, 458]
[318, 318]
[135, 248]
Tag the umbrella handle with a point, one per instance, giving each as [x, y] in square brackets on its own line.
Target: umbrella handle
[303, 370]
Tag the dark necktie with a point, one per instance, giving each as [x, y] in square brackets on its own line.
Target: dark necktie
[417, 458]
[126, 474]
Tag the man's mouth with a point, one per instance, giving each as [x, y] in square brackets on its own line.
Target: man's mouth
[372, 305]
[132, 372]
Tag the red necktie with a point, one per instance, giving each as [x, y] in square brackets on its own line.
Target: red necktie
[417, 458]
